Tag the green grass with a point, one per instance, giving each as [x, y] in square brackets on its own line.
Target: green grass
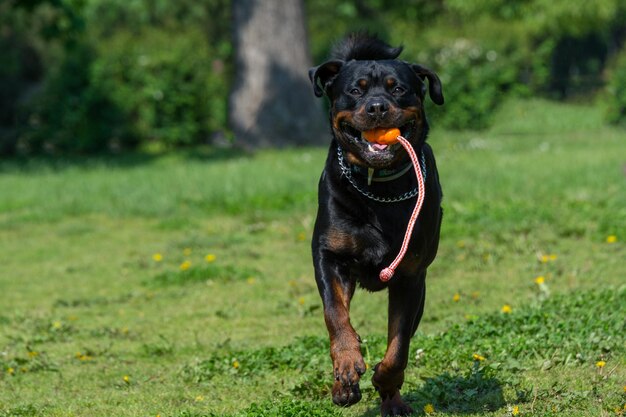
[84, 303]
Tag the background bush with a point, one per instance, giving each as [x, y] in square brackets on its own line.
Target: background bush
[171, 88]
[73, 114]
[475, 79]
[87, 76]
[617, 92]
[20, 69]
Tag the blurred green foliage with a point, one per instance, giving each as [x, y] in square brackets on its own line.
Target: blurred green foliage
[617, 92]
[171, 89]
[475, 80]
[93, 75]
[72, 113]
[117, 74]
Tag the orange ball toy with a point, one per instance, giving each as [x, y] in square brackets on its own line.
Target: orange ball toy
[382, 136]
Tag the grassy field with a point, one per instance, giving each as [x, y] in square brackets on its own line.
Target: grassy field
[181, 284]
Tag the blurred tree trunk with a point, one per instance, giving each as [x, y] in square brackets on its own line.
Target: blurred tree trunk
[272, 101]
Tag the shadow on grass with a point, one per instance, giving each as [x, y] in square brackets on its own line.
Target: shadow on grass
[459, 394]
[57, 163]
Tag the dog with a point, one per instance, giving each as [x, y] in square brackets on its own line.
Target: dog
[366, 195]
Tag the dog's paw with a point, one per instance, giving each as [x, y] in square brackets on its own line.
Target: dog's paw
[394, 406]
[348, 368]
[386, 380]
[346, 396]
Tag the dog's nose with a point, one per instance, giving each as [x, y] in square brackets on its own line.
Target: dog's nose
[376, 108]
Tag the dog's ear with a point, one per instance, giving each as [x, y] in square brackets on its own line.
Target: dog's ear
[434, 83]
[323, 76]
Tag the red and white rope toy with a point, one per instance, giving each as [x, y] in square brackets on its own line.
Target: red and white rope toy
[387, 273]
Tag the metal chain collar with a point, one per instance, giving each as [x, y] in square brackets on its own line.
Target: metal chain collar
[405, 196]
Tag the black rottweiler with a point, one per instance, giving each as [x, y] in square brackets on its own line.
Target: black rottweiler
[366, 195]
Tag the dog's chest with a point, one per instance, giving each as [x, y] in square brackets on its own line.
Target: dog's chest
[383, 236]
[391, 220]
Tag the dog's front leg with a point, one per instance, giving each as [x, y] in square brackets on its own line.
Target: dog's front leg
[406, 305]
[336, 289]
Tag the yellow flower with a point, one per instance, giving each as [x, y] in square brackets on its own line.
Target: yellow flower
[56, 324]
[429, 409]
[126, 379]
[540, 280]
[477, 357]
[600, 364]
[10, 371]
[187, 251]
[210, 258]
[251, 280]
[32, 354]
[157, 257]
[548, 257]
[82, 357]
[199, 398]
[456, 297]
[515, 410]
[611, 239]
[236, 364]
[301, 236]
[506, 309]
[185, 265]
[301, 301]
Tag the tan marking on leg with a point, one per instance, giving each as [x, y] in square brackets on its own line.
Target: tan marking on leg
[339, 241]
[345, 351]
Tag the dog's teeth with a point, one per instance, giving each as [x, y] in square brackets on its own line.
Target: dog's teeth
[369, 148]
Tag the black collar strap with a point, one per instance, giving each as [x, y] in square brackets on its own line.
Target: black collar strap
[381, 175]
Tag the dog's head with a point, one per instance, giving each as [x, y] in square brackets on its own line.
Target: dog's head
[370, 89]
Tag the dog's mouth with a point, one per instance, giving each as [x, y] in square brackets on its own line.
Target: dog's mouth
[377, 155]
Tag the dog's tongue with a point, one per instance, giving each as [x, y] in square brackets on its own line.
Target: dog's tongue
[379, 146]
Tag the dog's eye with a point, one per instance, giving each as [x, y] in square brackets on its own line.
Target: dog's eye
[397, 91]
[355, 92]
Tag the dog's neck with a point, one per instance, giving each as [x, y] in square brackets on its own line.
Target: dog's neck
[381, 175]
[346, 169]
